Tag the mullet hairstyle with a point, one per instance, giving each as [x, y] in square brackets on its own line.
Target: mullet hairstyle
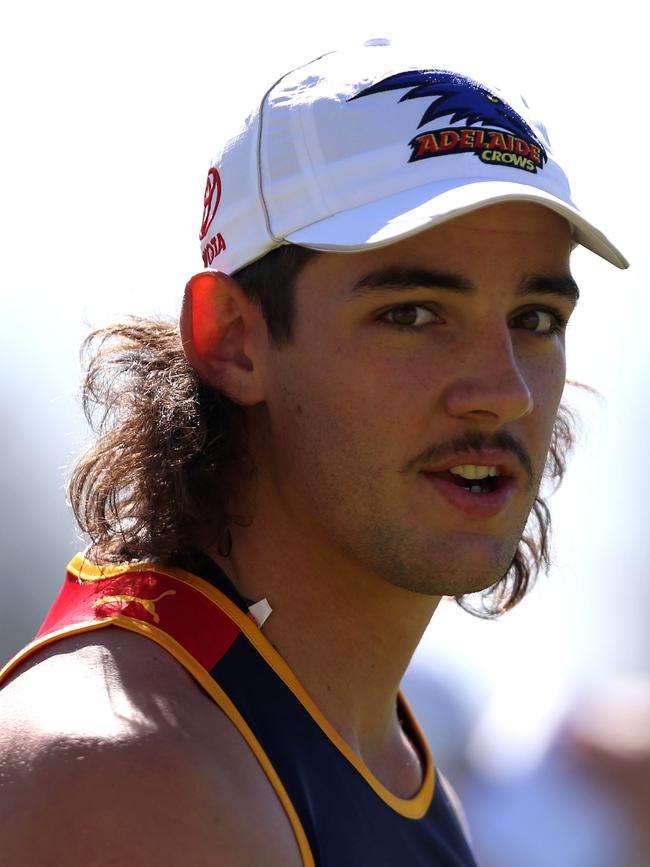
[158, 481]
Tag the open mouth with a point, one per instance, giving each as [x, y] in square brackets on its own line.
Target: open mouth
[480, 491]
[475, 486]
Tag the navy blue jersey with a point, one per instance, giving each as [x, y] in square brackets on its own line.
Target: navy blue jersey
[341, 814]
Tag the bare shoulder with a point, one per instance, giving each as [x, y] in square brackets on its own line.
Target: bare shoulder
[111, 754]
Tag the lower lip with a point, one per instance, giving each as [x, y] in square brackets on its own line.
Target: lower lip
[485, 505]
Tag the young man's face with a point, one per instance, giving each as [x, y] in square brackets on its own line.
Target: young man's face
[438, 352]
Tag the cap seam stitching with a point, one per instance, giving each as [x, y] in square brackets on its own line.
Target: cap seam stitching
[260, 190]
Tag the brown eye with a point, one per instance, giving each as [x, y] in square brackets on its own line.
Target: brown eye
[540, 321]
[409, 316]
[405, 315]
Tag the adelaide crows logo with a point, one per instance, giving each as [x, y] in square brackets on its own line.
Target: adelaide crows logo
[513, 142]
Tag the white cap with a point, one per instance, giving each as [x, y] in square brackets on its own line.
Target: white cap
[363, 147]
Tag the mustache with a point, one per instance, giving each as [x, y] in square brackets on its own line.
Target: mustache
[475, 441]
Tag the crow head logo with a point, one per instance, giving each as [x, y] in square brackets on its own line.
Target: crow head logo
[458, 97]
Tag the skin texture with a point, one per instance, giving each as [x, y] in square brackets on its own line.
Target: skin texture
[108, 757]
[348, 538]
[351, 405]
[350, 543]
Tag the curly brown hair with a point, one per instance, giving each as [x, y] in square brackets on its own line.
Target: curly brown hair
[170, 450]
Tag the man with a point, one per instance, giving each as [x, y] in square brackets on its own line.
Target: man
[376, 361]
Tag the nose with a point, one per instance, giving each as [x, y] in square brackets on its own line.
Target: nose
[490, 387]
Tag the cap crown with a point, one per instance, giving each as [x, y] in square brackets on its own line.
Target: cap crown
[361, 147]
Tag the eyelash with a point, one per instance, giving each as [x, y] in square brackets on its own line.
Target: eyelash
[560, 325]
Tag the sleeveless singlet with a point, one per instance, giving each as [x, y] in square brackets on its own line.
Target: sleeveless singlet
[341, 814]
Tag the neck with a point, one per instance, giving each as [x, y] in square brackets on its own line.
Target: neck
[347, 634]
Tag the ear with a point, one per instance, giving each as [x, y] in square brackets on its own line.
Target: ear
[218, 327]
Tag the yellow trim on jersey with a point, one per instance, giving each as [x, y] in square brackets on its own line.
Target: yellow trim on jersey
[410, 808]
[209, 685]
[85, 570]
[50, 638]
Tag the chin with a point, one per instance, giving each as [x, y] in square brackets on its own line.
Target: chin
[461, 566]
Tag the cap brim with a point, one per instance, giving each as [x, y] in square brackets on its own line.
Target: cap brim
[396, 217]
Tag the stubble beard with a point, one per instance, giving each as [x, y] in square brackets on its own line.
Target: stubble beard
[440, 563]
[351, 511]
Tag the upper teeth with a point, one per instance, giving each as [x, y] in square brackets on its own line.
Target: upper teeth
[473, 471]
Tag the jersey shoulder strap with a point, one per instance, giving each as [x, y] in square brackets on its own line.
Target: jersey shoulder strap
[195, 621]
[180, 611]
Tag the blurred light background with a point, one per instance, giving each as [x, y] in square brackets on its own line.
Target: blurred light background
[109, 115]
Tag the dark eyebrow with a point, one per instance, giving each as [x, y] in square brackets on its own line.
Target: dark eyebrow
[396, 277]
[562, 285]
[409, 278]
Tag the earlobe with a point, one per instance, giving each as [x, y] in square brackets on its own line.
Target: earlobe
[216, 324]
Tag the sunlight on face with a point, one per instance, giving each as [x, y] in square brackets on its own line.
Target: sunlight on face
[443, 350]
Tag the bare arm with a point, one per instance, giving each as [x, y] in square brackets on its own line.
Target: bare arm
[103, 789]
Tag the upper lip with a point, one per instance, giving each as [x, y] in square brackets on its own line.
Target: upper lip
[507, 464]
